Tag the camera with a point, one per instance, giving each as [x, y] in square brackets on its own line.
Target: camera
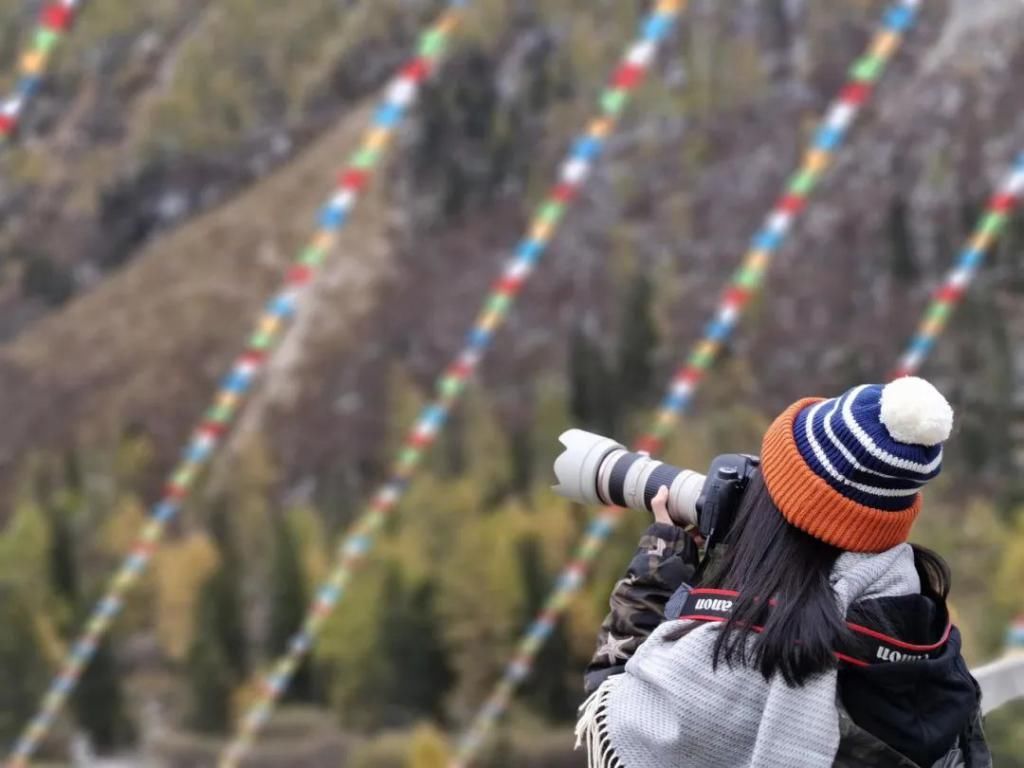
[597, 470]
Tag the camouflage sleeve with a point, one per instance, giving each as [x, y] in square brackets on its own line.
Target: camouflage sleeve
[665, 559]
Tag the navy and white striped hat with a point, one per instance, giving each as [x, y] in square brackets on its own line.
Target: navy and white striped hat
[849, 470]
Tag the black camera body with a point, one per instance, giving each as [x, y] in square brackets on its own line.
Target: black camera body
[726, 482]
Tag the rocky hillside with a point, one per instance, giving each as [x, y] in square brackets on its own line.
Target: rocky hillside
[174, 165]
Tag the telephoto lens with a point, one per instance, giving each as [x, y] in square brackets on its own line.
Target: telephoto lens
[596, 470]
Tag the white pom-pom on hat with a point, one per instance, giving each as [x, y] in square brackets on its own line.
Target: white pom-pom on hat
[915, 412]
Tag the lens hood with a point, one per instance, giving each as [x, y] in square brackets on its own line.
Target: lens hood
[576, 468]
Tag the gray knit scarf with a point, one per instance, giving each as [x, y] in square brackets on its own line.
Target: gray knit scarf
[669, 709]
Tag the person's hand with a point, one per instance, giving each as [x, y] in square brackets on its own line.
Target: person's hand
[659, 505]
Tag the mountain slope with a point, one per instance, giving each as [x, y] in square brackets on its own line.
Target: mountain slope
[696, 164]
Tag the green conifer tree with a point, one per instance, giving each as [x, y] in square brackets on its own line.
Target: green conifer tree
[288, 600]
[23, 669]
[903, 261]
[521, 457]
[63, 565]
[402, 674]
[548, 689]
[225, 590]
[592, 387]
[45, 527]
[638, 340]
[210, 671]
[417, 672]
[99, 705]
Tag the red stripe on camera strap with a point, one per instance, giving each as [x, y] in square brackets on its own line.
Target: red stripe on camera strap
[868, 646]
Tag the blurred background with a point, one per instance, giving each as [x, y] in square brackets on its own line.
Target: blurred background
[172, 166]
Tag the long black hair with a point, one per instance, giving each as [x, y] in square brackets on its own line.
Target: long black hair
[763, 558]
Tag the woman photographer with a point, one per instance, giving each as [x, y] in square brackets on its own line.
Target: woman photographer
[816, 635]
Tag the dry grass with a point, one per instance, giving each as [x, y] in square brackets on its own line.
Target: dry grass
[152, 339]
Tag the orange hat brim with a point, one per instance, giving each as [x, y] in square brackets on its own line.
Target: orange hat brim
[809, 503]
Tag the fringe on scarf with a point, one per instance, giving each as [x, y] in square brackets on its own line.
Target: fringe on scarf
[592, 728]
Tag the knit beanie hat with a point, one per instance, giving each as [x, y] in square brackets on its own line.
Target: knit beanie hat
[849, 470]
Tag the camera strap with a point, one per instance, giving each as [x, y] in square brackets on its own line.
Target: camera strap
[864, 647]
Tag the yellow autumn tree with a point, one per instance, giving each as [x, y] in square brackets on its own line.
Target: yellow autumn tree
[427, 748]
[180, 570]
[347, 648]
[24, 551]
[306, 525]
[253, 476]
[118, 534]
[24, 571]
[481, 599]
